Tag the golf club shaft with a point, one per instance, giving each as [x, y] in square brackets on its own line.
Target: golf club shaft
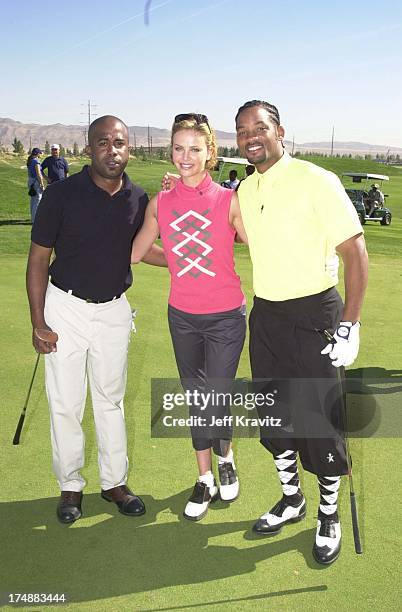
[353, 504]
[16, 439]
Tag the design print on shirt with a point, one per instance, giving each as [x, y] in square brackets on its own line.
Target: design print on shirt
[191, 245]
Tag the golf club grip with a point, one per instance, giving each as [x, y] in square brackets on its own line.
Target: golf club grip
[16, 439]
[355, 524]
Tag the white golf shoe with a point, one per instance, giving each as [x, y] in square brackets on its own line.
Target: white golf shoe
[229, 483]
[199, 500]
[282, 513]
[327, 545]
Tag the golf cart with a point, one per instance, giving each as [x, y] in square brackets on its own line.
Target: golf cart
[360, 198]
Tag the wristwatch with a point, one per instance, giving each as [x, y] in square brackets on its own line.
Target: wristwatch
[345, 328]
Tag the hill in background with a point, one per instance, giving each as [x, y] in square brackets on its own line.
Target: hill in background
[66, 135]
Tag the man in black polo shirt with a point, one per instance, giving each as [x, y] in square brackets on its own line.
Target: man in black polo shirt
[88, 221]
[56, 166]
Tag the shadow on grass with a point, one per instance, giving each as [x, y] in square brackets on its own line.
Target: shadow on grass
[373, 399]
[105, 554]
[15, 222]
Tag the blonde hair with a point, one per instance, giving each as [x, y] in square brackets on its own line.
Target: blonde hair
[204, 129]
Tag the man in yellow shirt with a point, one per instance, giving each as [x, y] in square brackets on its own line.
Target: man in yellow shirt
[296, 215]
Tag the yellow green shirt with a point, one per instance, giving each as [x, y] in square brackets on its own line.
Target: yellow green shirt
[295, 214]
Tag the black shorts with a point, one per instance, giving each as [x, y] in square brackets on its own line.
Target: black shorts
[286, 340]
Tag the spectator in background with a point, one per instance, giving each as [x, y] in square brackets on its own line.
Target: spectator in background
[56, 166]
[375, 199]
[36, 179]
[233, 181]
[249, 171]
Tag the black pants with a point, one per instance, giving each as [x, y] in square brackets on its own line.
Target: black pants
[285, 343]
[207, 350]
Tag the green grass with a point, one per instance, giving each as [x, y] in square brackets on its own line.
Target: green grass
[160, 561]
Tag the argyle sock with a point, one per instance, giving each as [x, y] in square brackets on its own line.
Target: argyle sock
[286, 464]
[329, 488]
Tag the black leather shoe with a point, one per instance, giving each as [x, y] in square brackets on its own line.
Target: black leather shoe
[69, 506]
[127, 503]
[327, 545]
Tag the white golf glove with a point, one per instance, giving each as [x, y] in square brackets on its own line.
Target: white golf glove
[332, 266]
[344, 345]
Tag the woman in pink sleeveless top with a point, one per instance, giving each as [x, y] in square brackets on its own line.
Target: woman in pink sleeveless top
[197, 221]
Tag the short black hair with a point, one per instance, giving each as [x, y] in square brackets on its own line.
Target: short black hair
[272, 110]
[100, 120]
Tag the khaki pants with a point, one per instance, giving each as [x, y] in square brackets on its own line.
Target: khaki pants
[93, 344]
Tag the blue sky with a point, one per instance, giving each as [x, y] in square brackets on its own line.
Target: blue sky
[322, 63]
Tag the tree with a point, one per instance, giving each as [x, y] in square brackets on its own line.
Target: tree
[76, 150]
[62, 151]
[142, 154]
[18, 147]
[47, 147]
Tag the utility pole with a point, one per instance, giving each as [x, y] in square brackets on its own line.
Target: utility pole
[149, 141]
[90, 115]
[332, 141]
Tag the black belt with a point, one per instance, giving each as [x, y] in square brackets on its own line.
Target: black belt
[81, 297]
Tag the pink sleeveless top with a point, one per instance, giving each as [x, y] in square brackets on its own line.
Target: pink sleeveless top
[198, 244]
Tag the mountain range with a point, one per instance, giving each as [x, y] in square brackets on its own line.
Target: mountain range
[36, 135]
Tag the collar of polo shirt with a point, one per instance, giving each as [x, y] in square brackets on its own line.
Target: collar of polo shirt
[274, 171]
[125, 187]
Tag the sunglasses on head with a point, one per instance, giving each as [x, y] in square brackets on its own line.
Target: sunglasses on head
[198, 118]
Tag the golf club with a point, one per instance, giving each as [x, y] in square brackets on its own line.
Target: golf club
[46, 336]
[353, 504]
[16, 439]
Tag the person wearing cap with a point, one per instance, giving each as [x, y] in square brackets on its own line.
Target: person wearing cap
[36, 181]
[375, 199]
[56, 166]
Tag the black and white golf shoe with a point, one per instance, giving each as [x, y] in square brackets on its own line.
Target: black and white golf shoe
[281, 514]
[199, 500]
[327, 545]
[229, 483]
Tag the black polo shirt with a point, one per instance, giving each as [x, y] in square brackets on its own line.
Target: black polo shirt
[91, 233]
[56, 167]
